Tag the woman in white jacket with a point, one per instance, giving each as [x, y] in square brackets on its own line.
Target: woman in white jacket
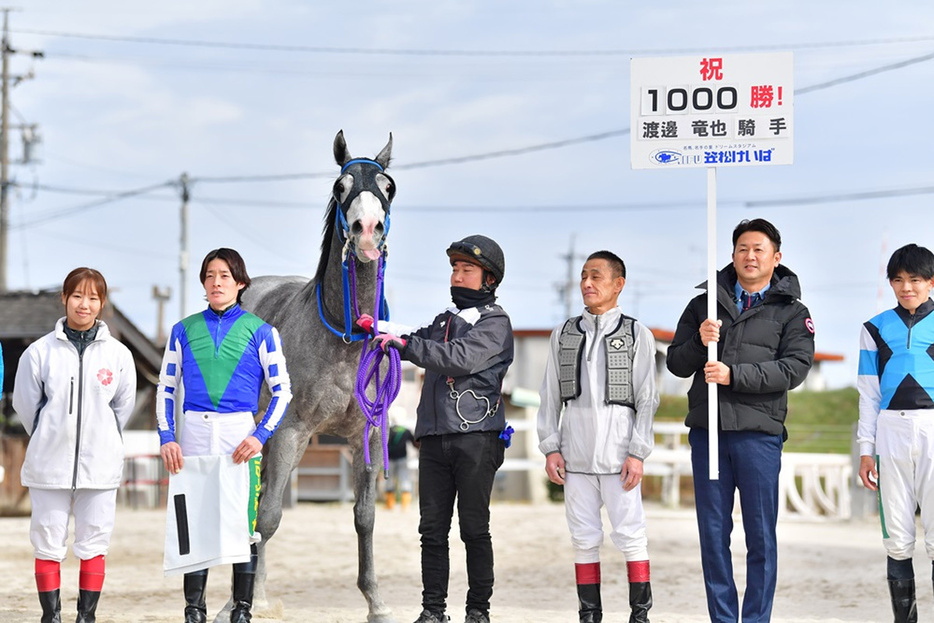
[75, 391]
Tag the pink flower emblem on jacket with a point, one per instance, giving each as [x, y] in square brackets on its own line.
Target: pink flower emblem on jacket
[105, 376]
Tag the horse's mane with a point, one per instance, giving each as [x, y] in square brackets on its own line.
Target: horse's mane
[329, 217]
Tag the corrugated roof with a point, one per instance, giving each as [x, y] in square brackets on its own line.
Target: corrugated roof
[30, 315]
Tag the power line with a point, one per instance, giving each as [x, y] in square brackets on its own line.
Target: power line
[470, 53]
[530, 209]
[865, 74]
[56, 214]
[513, 152]
[70, 190]
[556, 144]
[836, 198]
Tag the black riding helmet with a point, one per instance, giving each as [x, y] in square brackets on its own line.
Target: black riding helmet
[482, 251]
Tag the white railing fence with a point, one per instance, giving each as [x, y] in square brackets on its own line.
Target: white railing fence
[811, 486]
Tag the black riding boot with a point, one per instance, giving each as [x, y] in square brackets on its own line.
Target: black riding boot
[640, 600]
[588, 598]
[51, 603]
[904, 604]
[901, 577]
[244, 576]
[87, 605]
[196, 610]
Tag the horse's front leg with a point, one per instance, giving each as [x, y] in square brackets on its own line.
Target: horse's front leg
[364, 511]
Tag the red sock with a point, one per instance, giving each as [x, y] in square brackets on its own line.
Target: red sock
[91, 577]
[48, 575]
[638, 571]
[587, 572]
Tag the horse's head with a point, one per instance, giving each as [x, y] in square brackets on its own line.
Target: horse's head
[363, 193]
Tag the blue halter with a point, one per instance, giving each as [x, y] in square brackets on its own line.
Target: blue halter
[343, 228]
[350, 293]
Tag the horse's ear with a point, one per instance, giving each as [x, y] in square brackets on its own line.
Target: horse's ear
[384, 156]
[341, 155]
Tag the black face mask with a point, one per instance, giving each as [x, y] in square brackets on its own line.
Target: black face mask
[465, 298]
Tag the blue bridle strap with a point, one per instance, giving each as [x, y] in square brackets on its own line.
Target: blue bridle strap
[348, 338]
[343, 229]
[361, 161]
[348, 335]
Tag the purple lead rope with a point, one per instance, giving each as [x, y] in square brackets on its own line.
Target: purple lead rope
[376, 410]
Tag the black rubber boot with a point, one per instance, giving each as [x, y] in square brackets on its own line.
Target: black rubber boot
[904, 603]
[51, 603]
[196, 610]
[901, 577]
[244, 576]
[640, 600]
[588, 598]
[87, 606]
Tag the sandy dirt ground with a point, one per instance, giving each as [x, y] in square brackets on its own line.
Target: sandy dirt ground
[830, 572]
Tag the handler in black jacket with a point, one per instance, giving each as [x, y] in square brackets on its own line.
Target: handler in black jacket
[765, 345]
[465, 352]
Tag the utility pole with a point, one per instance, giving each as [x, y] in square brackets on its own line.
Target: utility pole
[568, 288]
[5, 150]
[183, 246]
[6, 51]
[161, 296]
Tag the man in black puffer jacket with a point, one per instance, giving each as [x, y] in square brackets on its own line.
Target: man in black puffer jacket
[765, 345]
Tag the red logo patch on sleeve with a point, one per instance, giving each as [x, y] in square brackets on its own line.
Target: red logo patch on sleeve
[809, 324]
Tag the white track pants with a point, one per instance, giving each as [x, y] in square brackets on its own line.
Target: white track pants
[584, 496]
[94, 511]
[212, 434]
[905, 449]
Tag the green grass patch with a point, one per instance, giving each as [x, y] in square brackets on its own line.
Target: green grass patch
[817, 421]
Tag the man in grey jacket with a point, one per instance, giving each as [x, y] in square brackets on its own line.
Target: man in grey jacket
[601, 374]
[461, 417]
[765, 345]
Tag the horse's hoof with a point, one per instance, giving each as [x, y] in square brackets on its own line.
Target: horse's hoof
[381, 618]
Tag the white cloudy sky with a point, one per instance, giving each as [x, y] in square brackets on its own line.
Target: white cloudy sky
[261, 88]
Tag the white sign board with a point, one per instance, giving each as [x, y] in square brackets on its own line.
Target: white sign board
[712, 111]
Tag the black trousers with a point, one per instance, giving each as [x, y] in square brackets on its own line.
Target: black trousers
[457, 467]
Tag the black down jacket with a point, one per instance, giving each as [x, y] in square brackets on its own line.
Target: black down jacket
[769, 349]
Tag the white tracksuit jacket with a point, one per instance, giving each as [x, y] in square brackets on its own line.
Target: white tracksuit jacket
[74, 410]
[592, 436]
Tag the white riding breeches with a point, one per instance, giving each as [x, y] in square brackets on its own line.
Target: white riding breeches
[584, 496]
[207, 433]
[94, 511]
[905, 449]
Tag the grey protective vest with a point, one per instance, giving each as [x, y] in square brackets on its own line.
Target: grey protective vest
[619, 345]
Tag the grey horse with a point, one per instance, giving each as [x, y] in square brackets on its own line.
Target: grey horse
[323, 366]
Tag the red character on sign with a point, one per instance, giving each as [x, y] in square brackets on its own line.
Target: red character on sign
[711, 69]
[761, 96]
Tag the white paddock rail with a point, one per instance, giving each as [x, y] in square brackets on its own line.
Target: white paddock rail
[810, 486]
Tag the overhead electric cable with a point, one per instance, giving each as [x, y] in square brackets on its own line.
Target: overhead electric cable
[51, 215]
[557, 144]
[455, 52]
[67, 190]
[865, 74]
[497, 154]
[837, 198]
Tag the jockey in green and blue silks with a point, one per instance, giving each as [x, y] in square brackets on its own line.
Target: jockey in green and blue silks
[222, 360]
